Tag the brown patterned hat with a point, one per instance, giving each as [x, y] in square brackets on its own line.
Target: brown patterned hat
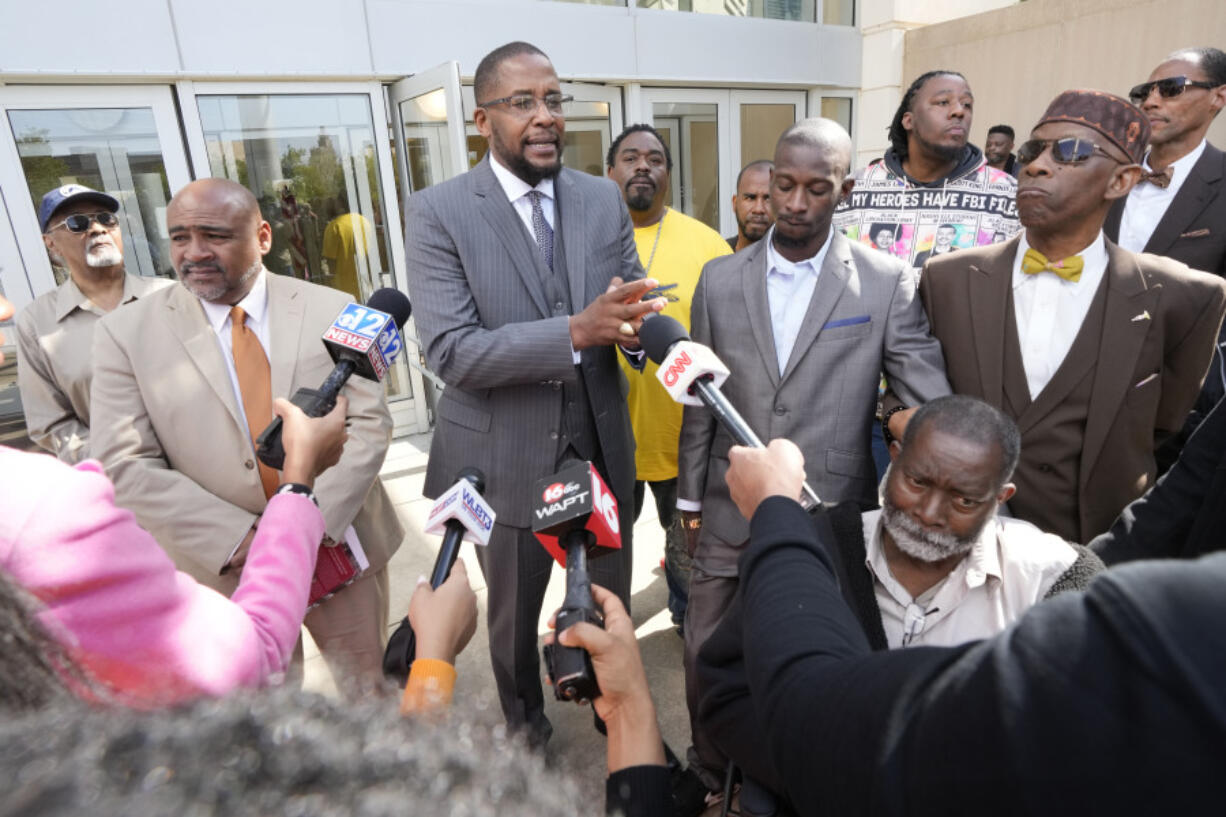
[1114, 117]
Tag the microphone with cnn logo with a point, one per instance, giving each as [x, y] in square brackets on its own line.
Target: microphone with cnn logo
[575, 518]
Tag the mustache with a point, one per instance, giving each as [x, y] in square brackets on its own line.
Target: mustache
[188, 267]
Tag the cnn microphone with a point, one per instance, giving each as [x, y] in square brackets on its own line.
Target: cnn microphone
[575, 518]
[460, 514]
[362, 340]
[692, 374]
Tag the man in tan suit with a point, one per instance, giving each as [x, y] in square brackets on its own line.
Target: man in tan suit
[1096, 352]
[175, 411]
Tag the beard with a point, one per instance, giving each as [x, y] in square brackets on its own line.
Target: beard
[104, 255]
[517, 163]
[924, 545]
[753, 230]
[213, 292]
[944, 153]
[640, 200]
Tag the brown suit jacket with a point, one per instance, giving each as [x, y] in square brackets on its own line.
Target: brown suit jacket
[166, 426]
[1159, 322]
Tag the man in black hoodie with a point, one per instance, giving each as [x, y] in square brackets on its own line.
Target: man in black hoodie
[931, 179]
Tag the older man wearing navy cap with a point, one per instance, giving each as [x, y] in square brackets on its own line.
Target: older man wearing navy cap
[1096, 352]
[55, 333]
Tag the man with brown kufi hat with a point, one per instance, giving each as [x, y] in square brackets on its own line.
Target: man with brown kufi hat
[1096, 352]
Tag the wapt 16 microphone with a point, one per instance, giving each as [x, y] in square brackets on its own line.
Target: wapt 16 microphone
[459, 514]
[692, 374]
[574, 515]
[362, 340]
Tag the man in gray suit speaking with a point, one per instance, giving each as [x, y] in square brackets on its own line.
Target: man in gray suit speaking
[806, 321]
[516, 272]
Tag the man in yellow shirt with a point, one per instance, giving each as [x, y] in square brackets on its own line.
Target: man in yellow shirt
[672, 249]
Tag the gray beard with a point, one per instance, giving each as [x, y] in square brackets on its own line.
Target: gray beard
[913, 540]
[211, 294]
[104, 256]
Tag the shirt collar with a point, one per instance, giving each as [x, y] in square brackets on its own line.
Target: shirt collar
[513, 186]
[982, 561]
[70, 297]
[1093, 257]
[1181, 166]
[255, 304]
[776, 263]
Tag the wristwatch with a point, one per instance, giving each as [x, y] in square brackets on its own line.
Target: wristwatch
[297, 488]
[692, 523]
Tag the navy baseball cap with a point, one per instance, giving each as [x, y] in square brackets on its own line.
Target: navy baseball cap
[67, 194]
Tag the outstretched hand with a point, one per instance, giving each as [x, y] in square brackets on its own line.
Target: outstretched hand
[312, 444]
[757, 473]
[605, 320]
[444, 618]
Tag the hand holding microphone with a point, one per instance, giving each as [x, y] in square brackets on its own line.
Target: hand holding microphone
[575, 518]
[362, 340]
[692, 374]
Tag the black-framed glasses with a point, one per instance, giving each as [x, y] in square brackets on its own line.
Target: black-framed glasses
[1167, 88]
[79, 222]
[1067, 151]
[525, 104]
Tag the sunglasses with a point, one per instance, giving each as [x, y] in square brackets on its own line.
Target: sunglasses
[1067, 151]
[79, 222]
[1167, 88]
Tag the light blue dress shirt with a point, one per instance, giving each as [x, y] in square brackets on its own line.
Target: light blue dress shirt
[789, 289]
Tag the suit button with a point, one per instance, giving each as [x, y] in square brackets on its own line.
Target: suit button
[1045, 468]
[557, 385]
[780, 410]
[558, 306]
[249, 465]
[553, 435]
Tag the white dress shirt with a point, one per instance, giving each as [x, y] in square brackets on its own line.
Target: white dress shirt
[1010, 568]
[255, 304]
[1147, 203]
[517, 191]
[1049, 311]
[789, 289]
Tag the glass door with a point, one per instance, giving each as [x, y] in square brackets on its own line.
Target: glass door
[123, 140]
[695, 123]
[317, 159]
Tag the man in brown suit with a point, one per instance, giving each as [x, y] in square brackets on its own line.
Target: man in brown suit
[1097, 353]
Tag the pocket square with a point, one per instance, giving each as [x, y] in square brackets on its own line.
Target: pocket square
[1153, 376]
[846, 322]
[1144, 316]
[1203, 231]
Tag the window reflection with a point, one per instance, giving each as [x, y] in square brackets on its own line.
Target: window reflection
[690, 130]
[804, 10]
[838, 108]
[310, 161]
[761, 127]
[115, 150]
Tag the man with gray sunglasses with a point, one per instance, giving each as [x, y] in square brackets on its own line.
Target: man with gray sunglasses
[55, 333]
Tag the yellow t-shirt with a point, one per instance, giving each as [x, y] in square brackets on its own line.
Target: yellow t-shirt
[685, 246]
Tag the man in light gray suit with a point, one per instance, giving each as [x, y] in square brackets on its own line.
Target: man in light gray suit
[806, 321]
[516, 273]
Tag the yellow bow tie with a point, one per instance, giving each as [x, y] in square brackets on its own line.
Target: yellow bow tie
[1034, 262]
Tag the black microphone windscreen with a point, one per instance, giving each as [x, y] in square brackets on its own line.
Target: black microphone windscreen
[658, 334]
[393, 302]
[473, 475]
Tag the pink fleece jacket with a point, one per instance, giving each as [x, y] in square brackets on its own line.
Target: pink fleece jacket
[151, 633]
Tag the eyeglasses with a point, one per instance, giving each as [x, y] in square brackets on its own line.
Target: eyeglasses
[1168, 88]
[79, 222]
[525, 104]
[1067, 151]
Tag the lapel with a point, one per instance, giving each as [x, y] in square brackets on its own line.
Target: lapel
[837, 269]
[286, 308]
[1122, 340]
[989, 282]
[498, 212]
[187, 322]
[753, 288]
[571, 217]
[1200, 188]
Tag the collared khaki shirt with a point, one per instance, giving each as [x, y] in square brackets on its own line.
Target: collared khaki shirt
[55, 337]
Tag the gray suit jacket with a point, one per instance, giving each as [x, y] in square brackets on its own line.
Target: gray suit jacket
[490, 334]
[864, 318]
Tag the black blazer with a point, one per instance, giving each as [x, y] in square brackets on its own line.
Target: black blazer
[1184, 514]
[1193, 230]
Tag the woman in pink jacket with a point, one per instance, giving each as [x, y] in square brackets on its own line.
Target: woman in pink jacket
[148, 633]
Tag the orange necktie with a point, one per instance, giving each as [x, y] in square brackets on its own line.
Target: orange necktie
[255, 386]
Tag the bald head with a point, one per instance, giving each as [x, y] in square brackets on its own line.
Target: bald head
[217, 239]
[826, 135]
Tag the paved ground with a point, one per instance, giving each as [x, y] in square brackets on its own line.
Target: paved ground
[575, 745]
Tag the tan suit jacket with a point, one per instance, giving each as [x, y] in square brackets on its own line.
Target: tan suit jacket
[1159, 322]
[167, 428]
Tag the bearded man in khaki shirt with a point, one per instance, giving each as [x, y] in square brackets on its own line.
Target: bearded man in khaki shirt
[55, 333]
